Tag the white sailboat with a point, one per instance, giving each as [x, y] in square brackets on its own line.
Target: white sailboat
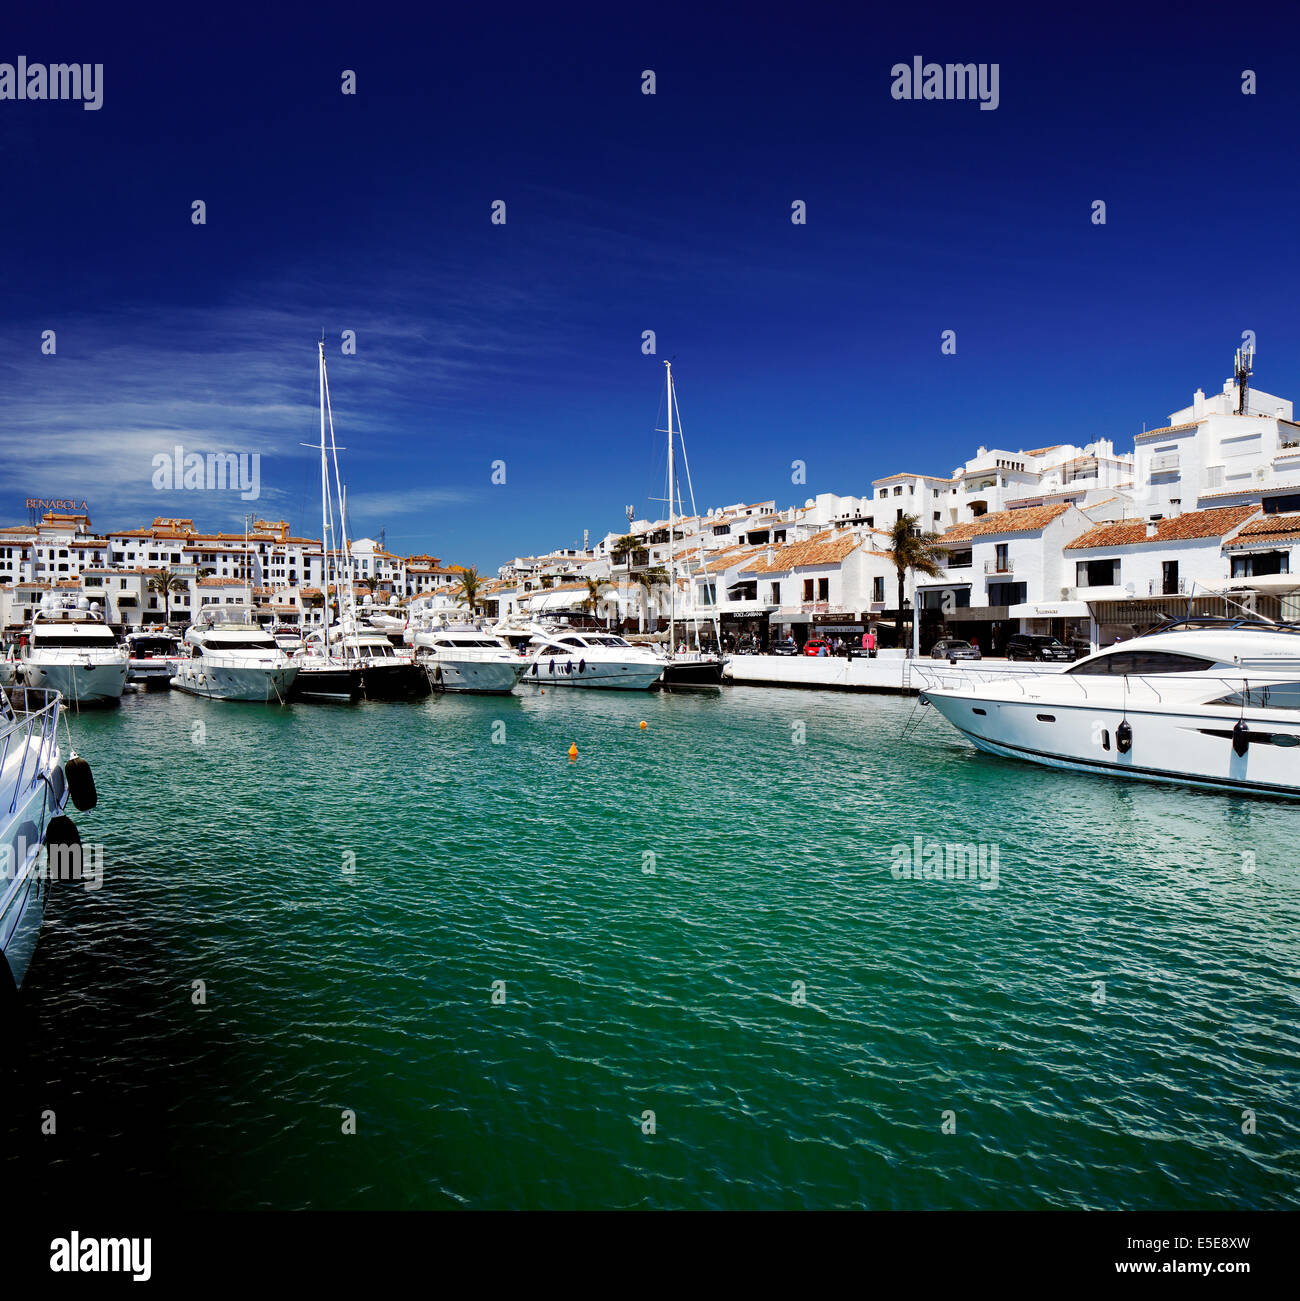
[324, 672]
[687, 667]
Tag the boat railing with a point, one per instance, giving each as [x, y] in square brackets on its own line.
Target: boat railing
[34, 726]
[1135, 688]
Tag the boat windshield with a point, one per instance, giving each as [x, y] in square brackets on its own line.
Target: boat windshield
[1273, 695]
[243, 643]
[1141, 663]
[99, 637]
[469, 641]
[143, 647]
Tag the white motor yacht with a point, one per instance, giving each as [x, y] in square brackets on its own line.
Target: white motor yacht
[154, 657]
[33, 796]
[1208, 702]
[462, 657]
[570, 657]
[72, 650]
[230, 656]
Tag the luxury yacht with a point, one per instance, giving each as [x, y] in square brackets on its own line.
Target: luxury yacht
[1208, 702]
[70, 649]
[230, 656]
[288, 638]
[600, 660]
[34, 792]
[462, 657]
[154, 657]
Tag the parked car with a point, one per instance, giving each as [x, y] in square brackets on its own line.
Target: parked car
[815, 646]
[952, 648]
[1033, 646]
[785, 648]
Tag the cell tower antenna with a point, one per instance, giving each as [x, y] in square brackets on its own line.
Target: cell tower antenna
[1242, 367]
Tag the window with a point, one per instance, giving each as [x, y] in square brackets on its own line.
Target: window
[1277, 695]
[1007, 593]
[1000, 558]
[823, 589]
[1143, 662]
[1096, 573]
[1169, 578]
[1282, 505]
[807, 589]
[959, 560]
[1261, 563]
[878, 589]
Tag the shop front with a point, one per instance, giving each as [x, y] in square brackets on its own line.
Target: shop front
[1070, 622]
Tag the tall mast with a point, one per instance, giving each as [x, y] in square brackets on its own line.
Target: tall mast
[324, 499]
[248, 574]
[346, 584]
[672, 578]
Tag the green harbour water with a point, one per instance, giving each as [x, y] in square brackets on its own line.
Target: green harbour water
[696, 920]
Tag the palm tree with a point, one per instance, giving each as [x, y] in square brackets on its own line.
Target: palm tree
[165, 582]
[624, 549]
[466, 588]
[595, 596]
[913, 552]
[651, 580]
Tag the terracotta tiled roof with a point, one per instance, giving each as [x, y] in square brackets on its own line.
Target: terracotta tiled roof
[1167, 429]
[725, 559]
[1257, 492]
[822, 549]
[1042, 451]
[1029, 520]
[907, 474]
[1181, 528]
[1269, 529]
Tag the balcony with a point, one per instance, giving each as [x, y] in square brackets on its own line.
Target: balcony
[1164, 462]
[999, 566]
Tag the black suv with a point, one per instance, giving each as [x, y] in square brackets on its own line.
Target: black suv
[1031, 646]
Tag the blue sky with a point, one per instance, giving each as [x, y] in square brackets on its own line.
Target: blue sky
[625, 212]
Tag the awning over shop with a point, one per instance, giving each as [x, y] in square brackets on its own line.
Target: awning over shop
[1266, 583]
[1050, 610]
[539, 601]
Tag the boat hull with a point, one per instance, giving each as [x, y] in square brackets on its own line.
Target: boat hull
[254, 685]
[79, 684]
[1167, 745]
[329, 683]
[400, 680]
[152, 673]
[593, 675]
[474, 677]
[33, 785]
[693, 675]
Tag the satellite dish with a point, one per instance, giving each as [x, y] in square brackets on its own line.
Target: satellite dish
[83, 603]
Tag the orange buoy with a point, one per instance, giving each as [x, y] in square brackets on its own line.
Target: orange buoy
[573, 752]
[643, 724]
